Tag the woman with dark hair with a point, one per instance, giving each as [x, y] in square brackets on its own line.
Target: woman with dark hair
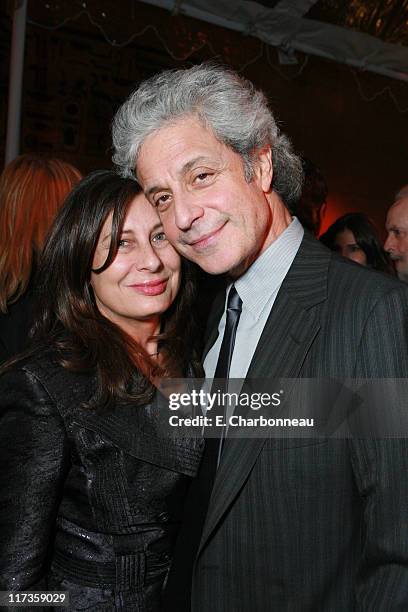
[354, 236]
[91, 490]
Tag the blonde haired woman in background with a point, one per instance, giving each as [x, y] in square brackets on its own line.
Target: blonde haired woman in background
[32, 189]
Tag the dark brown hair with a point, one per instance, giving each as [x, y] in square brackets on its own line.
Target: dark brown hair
[314, 195]
[69, 317]
[366, 236]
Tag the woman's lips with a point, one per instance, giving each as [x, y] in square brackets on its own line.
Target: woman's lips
[151, 287]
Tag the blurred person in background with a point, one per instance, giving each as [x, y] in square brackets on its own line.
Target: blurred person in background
[311, 206]
[396, 225]
[355, 237]
[92, 487]
[32, 189]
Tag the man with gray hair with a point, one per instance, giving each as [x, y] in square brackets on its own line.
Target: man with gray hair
[396, 225]
[272, 523]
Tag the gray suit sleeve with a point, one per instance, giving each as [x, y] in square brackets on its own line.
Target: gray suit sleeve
[381, 466]
[34, 461]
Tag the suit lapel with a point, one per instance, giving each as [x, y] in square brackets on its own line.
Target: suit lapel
[290, 330]
[213, 321]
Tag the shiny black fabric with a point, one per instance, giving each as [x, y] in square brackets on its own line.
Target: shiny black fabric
[15, 326]
[89, 503]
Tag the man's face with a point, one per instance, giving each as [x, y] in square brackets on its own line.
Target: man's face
[208, 210]
[397, 238]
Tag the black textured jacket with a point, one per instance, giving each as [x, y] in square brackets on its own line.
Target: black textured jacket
[89, 503]
[15, 326]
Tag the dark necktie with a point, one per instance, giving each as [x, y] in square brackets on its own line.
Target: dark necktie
[178, 590]
[221, 375]
[234, 307]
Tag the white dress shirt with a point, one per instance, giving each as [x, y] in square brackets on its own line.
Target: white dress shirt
[257, 288]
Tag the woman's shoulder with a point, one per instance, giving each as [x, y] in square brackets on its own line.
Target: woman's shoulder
[15, 326]
[42, 363]
[41, 372]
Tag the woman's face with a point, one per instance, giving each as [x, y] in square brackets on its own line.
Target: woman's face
[347, 246]
[142, 281]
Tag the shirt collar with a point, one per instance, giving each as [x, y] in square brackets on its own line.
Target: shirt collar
[264, 277]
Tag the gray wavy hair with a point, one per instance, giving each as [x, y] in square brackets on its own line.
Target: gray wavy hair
[402, 193]
[236, 112]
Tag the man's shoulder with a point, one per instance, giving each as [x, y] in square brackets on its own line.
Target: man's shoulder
[343, 275]
[360, 282]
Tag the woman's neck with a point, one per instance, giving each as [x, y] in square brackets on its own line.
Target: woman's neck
[142, 332]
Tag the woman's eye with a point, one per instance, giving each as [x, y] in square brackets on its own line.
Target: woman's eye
[160, 237]
[123, 243]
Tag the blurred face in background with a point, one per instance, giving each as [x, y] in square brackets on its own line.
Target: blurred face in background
[397, 237]
[346, 245]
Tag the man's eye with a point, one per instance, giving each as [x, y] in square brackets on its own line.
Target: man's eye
[202, 177]
[162, 200]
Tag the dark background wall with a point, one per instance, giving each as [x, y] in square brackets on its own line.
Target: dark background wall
[353, 125]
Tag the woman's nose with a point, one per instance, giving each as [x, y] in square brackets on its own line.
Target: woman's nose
[146, 258]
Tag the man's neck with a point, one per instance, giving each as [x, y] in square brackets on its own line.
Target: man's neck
[280, 220]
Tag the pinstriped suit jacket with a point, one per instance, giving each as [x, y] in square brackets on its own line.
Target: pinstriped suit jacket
[314, 525]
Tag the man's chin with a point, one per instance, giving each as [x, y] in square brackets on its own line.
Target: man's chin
[213, 263]
[213, 270]
[401, 269]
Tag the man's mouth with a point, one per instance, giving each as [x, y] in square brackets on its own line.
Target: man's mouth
[205, 240]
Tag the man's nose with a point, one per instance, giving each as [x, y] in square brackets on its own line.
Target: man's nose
[389, 244]
[187, 210]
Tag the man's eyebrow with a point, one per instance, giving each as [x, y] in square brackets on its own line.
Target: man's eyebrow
[152, 190]
[200, 159]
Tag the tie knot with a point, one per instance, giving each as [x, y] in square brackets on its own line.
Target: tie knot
[234, 301]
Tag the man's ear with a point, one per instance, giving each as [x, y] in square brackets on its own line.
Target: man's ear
[263, 168]
[322, 211]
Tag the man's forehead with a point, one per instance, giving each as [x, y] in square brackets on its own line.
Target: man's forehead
[397, 215]
[187, 128]
[401, 203]
[176, 148]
